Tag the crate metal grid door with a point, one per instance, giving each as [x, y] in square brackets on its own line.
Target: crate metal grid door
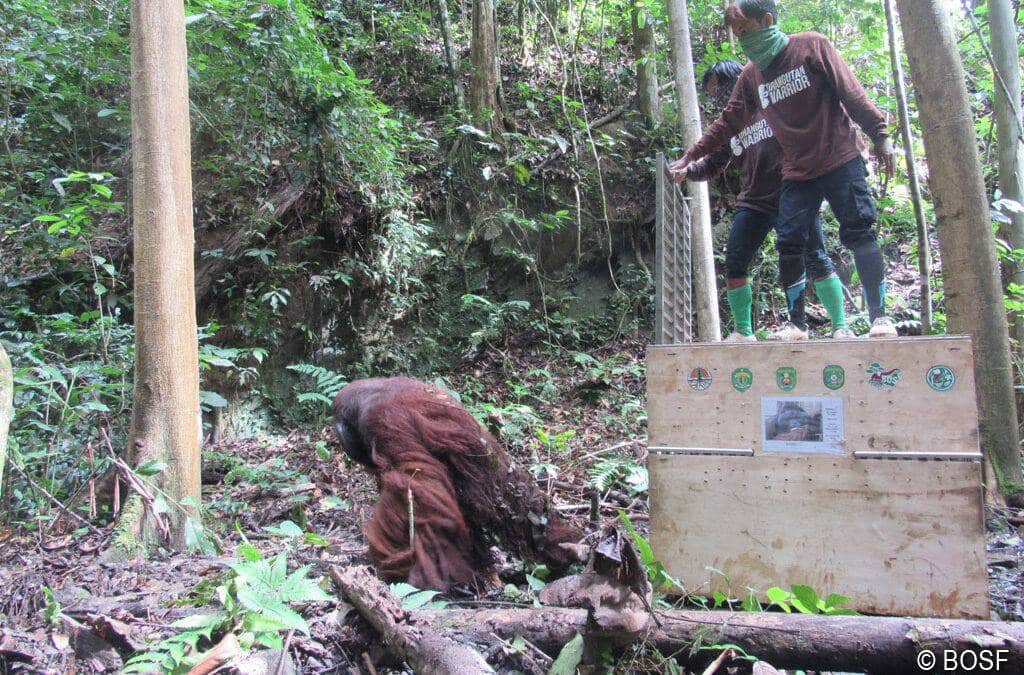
[673, 313]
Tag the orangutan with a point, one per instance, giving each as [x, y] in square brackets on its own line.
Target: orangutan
[438, 467]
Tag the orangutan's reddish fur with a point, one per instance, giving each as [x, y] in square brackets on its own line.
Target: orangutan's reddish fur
[466, 495]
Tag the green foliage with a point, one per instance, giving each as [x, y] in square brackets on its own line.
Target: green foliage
[656, 573]
[52, 609]
[255, 602]
[272, 473]
[806, 601]
[619, 468]
[265, 587]
[513, 421]
[559, 443]
[413, 598]
[569, 657]
[608, 372]
[178, 653]
[496, 320]
[325, 385]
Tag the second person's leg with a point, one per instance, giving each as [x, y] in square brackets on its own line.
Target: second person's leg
[748, 231]
[798, 208]
[846, 190]
[826, 284]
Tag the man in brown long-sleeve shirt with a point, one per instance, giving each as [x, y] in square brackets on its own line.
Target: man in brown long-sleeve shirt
[757, 155]
[808, 95]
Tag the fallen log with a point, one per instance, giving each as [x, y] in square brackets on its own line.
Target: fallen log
[845, 643]
[421, 646]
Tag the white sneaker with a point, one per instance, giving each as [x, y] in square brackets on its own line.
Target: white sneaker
[844, 334]
[740, 337]
[789, 332]
[882, 327]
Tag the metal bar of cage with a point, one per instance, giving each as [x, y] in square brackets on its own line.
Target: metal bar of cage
[673, 295]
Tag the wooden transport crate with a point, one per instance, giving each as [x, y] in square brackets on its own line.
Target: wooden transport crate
[850, 466]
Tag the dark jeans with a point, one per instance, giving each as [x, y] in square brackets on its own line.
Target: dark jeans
[748, 232]
[846, 189]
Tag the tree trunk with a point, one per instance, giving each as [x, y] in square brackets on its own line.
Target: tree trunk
[522, 16]
[974, 297]
[451, 55]
[483, 87]
[794, 641]
[6, 409]
[423, 647]
[646, 65]
[497, 63]
[924, 255]
[165, 413]
[705, 289]
[1006, 101]
[728, 31]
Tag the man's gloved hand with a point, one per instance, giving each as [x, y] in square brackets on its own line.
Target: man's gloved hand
[886, 156]
[679, 169]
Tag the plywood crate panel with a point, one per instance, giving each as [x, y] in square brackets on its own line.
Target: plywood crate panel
[908, 416]
[899, 536]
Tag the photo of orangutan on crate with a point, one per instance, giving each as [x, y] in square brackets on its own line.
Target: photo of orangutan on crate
[794, 421]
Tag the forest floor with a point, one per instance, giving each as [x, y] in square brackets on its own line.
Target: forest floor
[284, 496]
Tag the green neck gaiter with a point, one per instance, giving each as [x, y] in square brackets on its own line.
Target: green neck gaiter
[764, 45]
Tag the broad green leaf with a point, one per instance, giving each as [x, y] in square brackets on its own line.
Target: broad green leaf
[840, 611]
[271, 640]
[151, 468]
[541, 571]
[836, 601]
[315, 539]
[330, 502]
[106, 112]
[197, 539]
[805, 599]
[401, 590]
[213, 399]
[569, 658]
[197, 621]
[160, 505]
[285, 528]
[215, 361]
[418, 600]
[61, 120]
[779, 597]
[262, 623]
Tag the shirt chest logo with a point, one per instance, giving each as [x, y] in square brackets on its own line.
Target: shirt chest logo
[783, 86]
[752, 135]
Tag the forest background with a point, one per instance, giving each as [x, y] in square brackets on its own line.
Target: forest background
[459, 191]
[357, 215]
